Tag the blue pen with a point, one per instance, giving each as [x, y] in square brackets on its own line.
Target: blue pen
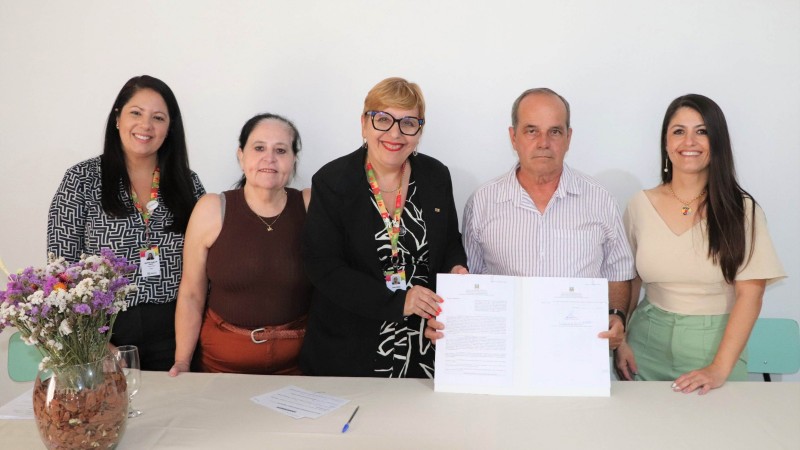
[347, 425]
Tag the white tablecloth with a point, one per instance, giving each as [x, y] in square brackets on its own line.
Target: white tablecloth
[215, 411]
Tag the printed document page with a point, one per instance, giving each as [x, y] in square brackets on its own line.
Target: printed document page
[478, 352]
[523, 336]
[564, 354]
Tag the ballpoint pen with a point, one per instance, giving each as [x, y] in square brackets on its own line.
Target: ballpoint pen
[347, 425]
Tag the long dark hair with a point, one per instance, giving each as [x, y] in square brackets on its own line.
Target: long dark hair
[725, 203]
[176, 188]
[248, 127]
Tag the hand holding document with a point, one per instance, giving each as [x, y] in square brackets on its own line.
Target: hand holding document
[523, 336]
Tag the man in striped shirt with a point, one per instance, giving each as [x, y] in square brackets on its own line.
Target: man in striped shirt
[544, 219]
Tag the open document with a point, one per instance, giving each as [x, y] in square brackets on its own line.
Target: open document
[523, 336]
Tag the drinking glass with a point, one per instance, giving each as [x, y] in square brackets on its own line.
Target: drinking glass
[128, 357]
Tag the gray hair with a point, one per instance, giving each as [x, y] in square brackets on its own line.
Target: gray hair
[515, 107]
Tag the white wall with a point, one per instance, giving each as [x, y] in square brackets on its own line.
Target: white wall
[619, 63]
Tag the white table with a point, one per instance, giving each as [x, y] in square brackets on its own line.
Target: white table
[214, 411]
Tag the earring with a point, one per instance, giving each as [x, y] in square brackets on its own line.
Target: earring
[118, 126]
[416, 151]
[666, 163]
[364, 145]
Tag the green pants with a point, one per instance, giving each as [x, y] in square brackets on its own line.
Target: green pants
[667, 345]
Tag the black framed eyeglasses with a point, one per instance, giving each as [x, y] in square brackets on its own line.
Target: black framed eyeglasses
[383, 121]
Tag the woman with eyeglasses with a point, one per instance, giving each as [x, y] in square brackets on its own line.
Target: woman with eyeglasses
[381, 224]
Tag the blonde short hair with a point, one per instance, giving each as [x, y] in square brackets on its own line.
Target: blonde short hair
[395, 92]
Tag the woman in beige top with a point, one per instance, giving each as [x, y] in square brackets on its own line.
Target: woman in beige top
[703, 254]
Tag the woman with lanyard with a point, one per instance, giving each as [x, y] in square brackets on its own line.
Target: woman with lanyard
[381, 224]
[135, 199]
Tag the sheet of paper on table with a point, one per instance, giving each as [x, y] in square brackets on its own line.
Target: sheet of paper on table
[523, 336]
[19, 408]
[299, 403]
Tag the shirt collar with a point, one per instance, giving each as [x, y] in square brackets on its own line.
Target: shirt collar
[513, 191]
[568, 184]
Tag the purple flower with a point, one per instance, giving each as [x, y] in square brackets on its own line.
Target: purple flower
[118, 264]
[118, 283]
[48, 285]
[15, 286]
[26, 279]
[103, 329]
[82, 308]
[102, 300]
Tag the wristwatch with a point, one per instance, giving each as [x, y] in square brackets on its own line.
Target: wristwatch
[621, 314]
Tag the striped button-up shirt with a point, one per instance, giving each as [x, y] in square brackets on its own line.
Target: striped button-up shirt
[580, 233]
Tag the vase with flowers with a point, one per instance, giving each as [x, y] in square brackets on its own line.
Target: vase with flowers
[67, 311]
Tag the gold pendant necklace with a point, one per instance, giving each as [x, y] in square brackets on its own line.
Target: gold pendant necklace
[685, 206]
[269, 225]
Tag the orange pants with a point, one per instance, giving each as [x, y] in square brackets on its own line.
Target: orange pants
[224, 347]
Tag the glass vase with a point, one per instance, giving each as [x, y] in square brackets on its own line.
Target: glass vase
[81, 406]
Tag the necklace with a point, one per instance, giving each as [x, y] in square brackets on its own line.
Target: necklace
[399, 186]
[685, 208]
[269, 225]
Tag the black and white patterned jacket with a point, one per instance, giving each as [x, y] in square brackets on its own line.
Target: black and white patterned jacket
[77, 224]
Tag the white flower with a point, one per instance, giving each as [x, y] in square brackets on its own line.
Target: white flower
[37, 298]
[64, 328]
[94, 259]
[58, 301]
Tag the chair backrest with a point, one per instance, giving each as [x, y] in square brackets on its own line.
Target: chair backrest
[774, 347]
[23, 359]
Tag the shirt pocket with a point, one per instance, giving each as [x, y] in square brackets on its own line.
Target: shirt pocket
[576, 253]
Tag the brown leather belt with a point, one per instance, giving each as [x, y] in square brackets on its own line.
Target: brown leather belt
[295, 329]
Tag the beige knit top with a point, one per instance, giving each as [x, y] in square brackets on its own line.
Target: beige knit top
[676, 271]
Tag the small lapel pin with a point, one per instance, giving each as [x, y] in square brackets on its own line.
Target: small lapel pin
[437, 210]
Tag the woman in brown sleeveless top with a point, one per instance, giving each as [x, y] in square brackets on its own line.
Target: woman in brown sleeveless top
[244, 296]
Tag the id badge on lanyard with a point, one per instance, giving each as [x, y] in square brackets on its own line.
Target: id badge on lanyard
[150, 262]
[395, 279]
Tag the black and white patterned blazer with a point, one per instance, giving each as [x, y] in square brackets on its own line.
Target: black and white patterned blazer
[77, 224]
